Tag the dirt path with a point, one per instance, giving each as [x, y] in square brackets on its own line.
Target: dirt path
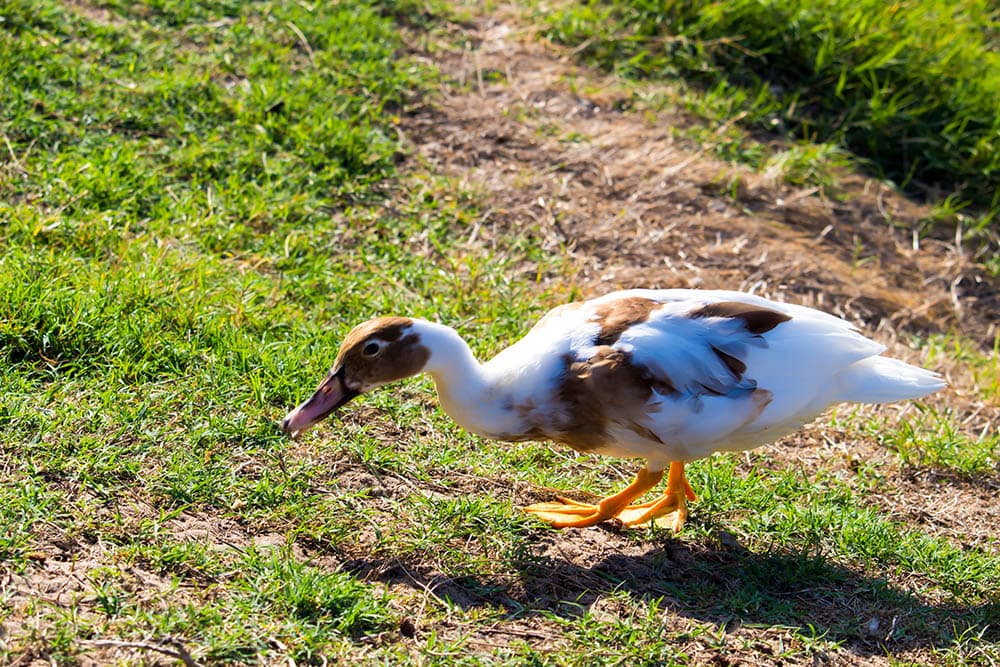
[635, 206]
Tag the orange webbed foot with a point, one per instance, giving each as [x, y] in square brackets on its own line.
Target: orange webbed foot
[674, 501]
[566, 513]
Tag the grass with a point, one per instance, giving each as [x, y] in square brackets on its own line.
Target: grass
[199, 200]
[909, 89]
[934, 440]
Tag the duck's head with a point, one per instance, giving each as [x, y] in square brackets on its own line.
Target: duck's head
[374, 353]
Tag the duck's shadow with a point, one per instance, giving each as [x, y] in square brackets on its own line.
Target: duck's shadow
[721, 583]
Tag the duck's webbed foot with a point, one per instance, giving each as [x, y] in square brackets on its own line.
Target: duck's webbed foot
[673, 501]
[566, 513]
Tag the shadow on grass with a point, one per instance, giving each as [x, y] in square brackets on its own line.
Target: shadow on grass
[724, 584]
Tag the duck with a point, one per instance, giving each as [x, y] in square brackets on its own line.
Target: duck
[665, 375]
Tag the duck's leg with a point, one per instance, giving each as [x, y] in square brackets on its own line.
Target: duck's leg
[675, 499]
[570, 514]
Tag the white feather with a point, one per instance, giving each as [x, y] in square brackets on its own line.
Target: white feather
[882, 380]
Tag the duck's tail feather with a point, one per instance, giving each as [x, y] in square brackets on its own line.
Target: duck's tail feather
[883, 380]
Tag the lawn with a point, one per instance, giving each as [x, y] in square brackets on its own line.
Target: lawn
[199, 199]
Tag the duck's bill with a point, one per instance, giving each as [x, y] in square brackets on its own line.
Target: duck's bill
[329, 396]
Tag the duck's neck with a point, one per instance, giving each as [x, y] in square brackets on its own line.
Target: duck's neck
[468, 393]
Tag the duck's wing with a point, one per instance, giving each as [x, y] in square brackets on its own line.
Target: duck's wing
[722, 341]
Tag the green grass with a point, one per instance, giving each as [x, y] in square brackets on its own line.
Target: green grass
[934, 440]
[274, 600]
[909, 88]
[197, 201]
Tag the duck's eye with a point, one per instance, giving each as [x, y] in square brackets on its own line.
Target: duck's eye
[371, 349]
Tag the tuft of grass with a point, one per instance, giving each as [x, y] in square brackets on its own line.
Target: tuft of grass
[323, 601]
[982, 365]
[934, 440]
[910, 88]
[23, 504]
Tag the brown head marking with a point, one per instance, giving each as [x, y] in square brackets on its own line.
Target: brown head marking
[373, 353]
[380, 351]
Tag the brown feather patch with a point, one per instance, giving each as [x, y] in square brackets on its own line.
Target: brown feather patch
[761, 399]
[607, 383]
[617, 316]
[757, 319]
